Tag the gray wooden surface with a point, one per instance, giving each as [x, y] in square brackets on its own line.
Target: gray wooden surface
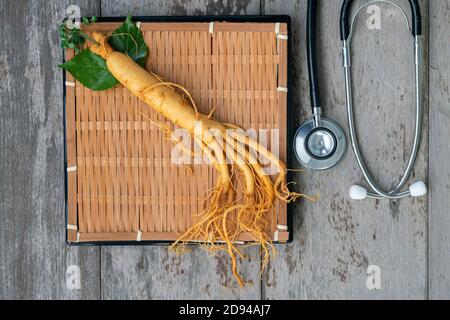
[335, 240]
[439, 168]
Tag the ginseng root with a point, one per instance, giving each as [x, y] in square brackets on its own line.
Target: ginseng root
[226, 218]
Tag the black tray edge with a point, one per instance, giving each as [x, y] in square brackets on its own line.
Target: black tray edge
[290, 114]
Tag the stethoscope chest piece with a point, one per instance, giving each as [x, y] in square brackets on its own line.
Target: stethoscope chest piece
[319, 143]
[319, 147]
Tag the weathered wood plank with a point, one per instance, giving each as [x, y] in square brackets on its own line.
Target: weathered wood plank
[439, 238]
[153, 272]
[179, 7]
[336, 239]
[33, 253]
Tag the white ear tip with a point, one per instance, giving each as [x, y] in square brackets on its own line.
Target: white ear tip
[358, 193]
[418, 189]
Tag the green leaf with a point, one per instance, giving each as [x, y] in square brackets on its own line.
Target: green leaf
[91, 70]
[71, 38]
[128, 39]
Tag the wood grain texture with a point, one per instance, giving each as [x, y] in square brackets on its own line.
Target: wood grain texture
[335, 238]
[179, 7]
[33, 253]
[439, 237]
[153, 272]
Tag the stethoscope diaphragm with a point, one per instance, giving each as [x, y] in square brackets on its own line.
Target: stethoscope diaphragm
[319, 147]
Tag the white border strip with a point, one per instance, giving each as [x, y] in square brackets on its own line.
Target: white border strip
[234, 242]
[72, 227]
[71, 169]
[277, 32]
[275, 236]
[139, 235]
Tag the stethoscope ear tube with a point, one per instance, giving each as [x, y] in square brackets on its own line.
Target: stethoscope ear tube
[344, 21]
[416, 24]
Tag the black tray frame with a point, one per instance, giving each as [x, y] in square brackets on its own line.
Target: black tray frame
[289, 124]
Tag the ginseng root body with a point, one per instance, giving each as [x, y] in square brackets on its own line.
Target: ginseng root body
[228, 215]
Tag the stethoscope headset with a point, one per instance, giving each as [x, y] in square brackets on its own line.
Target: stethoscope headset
[320, 143]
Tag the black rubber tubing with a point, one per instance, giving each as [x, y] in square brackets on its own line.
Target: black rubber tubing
[311, 29]
[345, 15]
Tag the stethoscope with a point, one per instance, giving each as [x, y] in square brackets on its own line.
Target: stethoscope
[418, 188]
[320, 143]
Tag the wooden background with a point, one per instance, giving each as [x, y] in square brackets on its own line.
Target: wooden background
[336, 239]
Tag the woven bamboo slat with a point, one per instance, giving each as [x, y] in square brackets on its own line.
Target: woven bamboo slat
[122, 184]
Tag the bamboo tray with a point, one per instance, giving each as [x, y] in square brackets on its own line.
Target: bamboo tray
[121, 185]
